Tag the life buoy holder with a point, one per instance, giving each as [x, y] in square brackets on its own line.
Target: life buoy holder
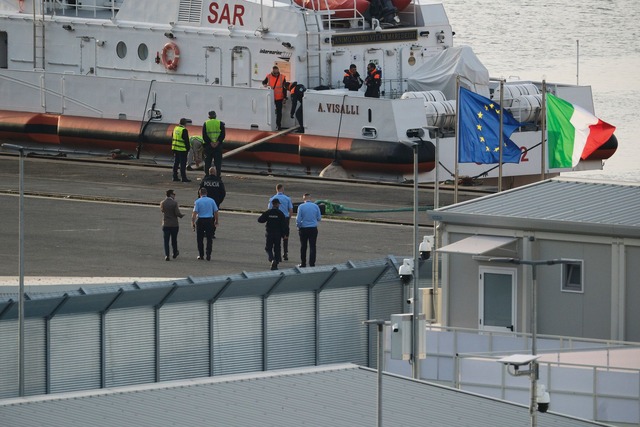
[170, 56]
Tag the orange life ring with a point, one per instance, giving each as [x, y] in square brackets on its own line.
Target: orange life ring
[170, 56]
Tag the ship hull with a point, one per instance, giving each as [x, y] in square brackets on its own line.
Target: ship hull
[154, 140]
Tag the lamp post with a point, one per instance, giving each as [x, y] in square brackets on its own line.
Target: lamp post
[436, 205]
[380, 324]
[415, 367]
[20, 150]
[533, 320]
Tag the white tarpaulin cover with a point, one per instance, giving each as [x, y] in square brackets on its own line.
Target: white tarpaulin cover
[440, 71]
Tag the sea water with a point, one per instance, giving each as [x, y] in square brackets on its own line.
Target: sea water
[592, 42]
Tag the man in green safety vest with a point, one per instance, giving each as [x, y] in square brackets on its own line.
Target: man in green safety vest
[195, 154]
[213, 134]
[180, 147]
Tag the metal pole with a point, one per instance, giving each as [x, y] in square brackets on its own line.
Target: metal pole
[416, 268]
[501, 137]
[20, 150]
[577, 62]
[436, 187]
[543, 139]
[380, 366]
[455, 151]
[534, 335]
[380, 324]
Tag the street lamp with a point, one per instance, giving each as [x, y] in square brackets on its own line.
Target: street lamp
[533, 318]
[436, 205]
[415, 367]
[380, 324]
[20, 150]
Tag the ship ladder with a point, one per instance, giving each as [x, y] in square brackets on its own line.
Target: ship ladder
[38, 43]
[258, 142]
[313, 28]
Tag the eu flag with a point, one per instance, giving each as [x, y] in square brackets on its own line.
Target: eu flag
[479, 130]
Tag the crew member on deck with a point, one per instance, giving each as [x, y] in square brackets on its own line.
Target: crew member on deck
[373, 81]
[352, 80]
[276, 81]
[297, 91]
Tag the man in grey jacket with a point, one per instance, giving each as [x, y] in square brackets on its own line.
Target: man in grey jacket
[170, 214]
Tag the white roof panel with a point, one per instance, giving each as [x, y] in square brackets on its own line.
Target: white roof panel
[477, 245]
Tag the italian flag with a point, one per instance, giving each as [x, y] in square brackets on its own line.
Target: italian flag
[573, 133]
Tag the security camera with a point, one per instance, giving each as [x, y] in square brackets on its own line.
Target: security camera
[518, 360]
[406, 270]
[543, 398]
[395, 327]
[409, 301]
[425, 247]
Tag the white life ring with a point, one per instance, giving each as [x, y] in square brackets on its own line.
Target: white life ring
[170, 56]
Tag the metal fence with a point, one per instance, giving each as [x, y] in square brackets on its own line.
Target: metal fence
[107, 336]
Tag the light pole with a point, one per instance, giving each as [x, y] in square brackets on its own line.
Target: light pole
[415, 367]
[436, 205]
[20, 150]
[380, 324]
[533, 320]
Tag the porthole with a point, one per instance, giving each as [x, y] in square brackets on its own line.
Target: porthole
[143, 51]
[121, 49]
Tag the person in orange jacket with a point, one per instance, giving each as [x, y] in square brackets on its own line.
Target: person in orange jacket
[276, 81]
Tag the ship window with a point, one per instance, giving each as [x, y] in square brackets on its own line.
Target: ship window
[121, 49]
[143, 51]
[573, 277]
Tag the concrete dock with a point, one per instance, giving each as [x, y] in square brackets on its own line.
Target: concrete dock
[100, 222]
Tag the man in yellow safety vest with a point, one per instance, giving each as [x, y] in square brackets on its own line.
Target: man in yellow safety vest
[180, 147]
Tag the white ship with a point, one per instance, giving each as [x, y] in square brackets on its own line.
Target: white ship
[119, 74]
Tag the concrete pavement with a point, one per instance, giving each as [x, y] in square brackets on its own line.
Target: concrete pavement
[102, 221]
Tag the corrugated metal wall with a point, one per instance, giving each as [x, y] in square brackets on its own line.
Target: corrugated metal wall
[35, 356]
[343, 337]
[237, 335]
[291, 335]
[75, 352]
[184, 340]
[155, 334]
[34, 348]
[130, 346]
[9, 359]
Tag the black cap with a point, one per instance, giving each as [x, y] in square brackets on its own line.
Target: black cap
[274, 201]
[184, 121]
[212, 114]
[352, 66]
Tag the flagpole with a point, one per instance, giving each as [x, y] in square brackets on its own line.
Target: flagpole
[501, 137]
[455, 173]
[544, 130]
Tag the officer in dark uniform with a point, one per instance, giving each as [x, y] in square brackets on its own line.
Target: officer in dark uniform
[276, 227]
[215, 189]
[297, 93]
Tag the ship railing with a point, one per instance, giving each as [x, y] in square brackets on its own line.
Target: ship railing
[392, 88]
[84, 8]
[344, 17]
[408, 16]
